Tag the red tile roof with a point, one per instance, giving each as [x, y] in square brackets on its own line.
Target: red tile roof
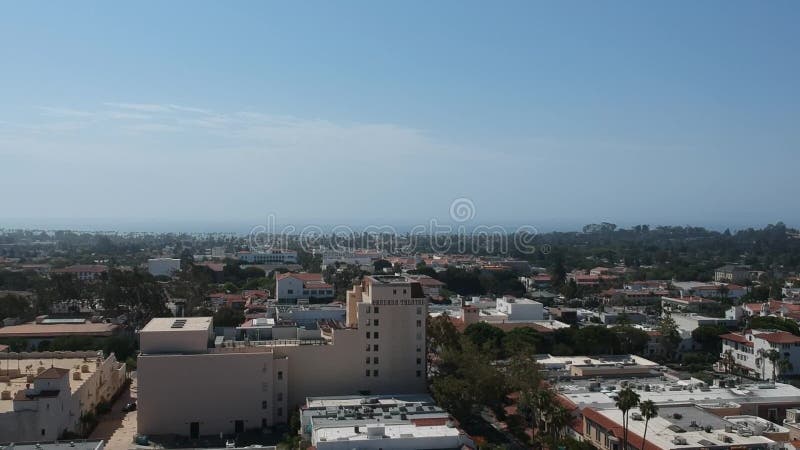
[779, 337]
[634, 440]
[736, 337]
[94, 268]
[300, 276]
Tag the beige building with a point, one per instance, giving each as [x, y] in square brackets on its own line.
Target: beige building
[193, 383]
[45, 394]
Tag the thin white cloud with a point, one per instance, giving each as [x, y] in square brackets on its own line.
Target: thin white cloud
[63, 112]
[144, 107]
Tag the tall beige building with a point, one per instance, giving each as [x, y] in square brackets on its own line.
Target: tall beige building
[192, 383]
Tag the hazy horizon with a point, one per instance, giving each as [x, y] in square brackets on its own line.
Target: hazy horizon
[204, 114]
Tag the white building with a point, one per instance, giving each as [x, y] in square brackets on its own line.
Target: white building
[290, 287]
[354, 258]
[520, 308]
[762, 352]
[379, 422]
[47, 393]
[163, 267]
[268, 257]
[194, 383]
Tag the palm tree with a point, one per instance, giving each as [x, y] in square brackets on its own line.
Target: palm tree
[761, 360]
[526, 407]
[558, 418]
[627, 399]
[543, 406]
[774, 356]
[785, 366]
[648, 410]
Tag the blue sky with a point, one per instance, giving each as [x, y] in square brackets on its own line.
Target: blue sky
[551, 114]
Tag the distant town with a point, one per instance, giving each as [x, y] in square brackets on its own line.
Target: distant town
[608, 338]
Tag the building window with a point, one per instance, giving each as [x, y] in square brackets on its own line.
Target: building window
[375, 322]
[419, 310]
[290, 291]
[404, 291]
[419, 349]
[419, 373]
[419, 336]
[376, 310]
[375, 348]
[368, 372]
[772, 414]
[280, 396]
[367, 359]
[367, 310]
[394, 291]
[419, 323]
[376, 335]
[280, 412]
[368, 335]
[280, 375]
[375, 373]
[367, 347]
[375, 360]
[264, 404]
[419, 360]
[263, 423]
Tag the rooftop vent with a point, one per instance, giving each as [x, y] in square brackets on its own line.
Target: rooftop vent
[179, 323]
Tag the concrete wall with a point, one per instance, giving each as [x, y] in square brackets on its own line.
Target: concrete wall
[213, 389]
[179, 340]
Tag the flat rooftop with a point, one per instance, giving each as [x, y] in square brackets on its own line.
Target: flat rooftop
[357, 400]
[30, 367]
[566, 361]
[77, 444]
[178, 324]
[59, 328]
[394, 431]
[665, 427]
[390, 279]
[680, 392]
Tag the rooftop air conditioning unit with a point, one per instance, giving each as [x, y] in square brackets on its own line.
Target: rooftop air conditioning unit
[679, 440]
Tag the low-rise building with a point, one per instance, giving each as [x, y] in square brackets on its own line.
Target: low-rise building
[679, 427]
[163, 267]
[733, 274]
[268, 257]
[49, 328]
[290, 287]
[765, 354]
[380, 422]
[45, 394]
[687, 304]
[84, 272]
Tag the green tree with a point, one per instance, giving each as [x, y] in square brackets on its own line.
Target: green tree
[381, 264]
[525, 340]
[708, 336]
[228, 317]
[486, 337]
[774, 323]
[670, 337]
